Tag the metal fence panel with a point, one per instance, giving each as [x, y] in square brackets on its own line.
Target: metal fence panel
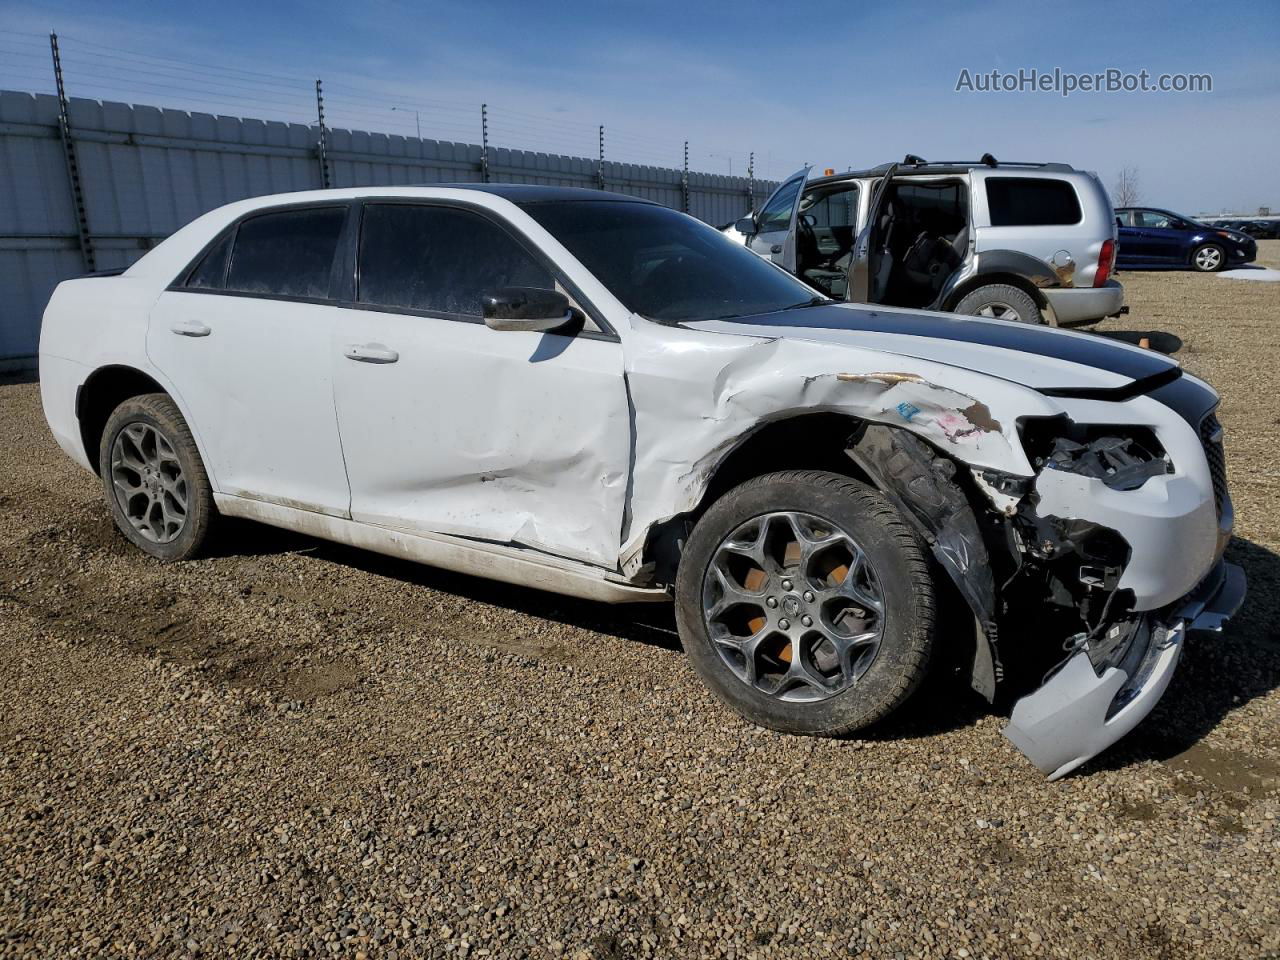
[146, 171]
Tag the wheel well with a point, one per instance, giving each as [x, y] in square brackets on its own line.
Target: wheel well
[986, 279]
[812, 441]
[106, 389]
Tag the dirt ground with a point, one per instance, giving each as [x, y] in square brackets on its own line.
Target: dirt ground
[294, 748]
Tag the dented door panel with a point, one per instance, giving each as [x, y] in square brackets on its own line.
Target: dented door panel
[507, 437]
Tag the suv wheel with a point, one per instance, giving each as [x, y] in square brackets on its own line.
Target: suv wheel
[1000, 301]
[1208, 258]
[805, 602]
[154, 480]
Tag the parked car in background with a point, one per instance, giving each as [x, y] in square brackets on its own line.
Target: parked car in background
[1030, 242]
[1151, 238]
[1261, 229]
[1258, 229]
[595, 395]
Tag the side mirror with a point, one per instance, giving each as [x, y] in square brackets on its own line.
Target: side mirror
[746, 226]
[526, 308]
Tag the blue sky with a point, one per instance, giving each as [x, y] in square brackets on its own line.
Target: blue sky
[848, 85]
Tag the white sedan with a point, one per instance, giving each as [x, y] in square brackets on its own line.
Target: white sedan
[595, 395]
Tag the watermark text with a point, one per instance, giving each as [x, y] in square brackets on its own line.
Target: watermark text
[1066, 83]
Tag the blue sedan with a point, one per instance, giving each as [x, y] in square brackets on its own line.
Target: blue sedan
[1152, 239]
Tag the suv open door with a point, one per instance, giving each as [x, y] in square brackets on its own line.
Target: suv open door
[868, 272]
[775, 224]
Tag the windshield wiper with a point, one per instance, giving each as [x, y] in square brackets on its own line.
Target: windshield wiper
[811, 302]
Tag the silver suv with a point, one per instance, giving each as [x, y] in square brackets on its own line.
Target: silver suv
[1029, 242]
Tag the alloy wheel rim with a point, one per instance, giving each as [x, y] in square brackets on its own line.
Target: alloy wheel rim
[148, 482]
[1208, 258]
[1000, 311]
[793, 607]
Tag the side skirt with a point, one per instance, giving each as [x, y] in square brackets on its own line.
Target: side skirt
[492, 561]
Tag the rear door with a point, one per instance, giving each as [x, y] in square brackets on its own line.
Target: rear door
[1129, 247]
[775, 235]
[450, 427]
[868, 268]
[244, 338]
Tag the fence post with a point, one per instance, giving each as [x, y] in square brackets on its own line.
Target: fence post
[323, 146]
[684, 178]
[600, 161]
[484, 142]
[73, 167]
[751, 183]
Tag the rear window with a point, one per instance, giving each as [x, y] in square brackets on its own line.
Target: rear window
[288, 253]
[1028, 202]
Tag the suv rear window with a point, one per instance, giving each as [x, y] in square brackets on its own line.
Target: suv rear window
[287, 254]
[1031, 202]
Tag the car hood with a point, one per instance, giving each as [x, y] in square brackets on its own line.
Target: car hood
[1052, 361]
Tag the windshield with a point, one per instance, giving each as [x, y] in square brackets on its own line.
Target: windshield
[667, 266]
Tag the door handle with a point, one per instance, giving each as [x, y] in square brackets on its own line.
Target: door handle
[370, 353]
[776, 248]
[190, 328]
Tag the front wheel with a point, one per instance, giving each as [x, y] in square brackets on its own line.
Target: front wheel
[1208, 258]
[154, 480]
[1000, 301]
[805, 602]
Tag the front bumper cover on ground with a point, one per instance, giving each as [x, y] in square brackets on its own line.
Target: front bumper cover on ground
[1071, 718]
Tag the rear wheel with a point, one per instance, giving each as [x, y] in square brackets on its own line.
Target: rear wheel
[154, 480]
[1000, 301]
[805, 603]
[1208, 258]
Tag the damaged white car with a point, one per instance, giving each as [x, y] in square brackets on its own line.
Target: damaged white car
[596, 395]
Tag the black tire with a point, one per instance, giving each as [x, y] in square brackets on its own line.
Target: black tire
[1002, 302]
[157, 412]
[1203, 259]
[902, 572]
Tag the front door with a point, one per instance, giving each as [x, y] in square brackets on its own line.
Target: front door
[245, 341]
[775, 235]
[1163, 236]
[450, 427]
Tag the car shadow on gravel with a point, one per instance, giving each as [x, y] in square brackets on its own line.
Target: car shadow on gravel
[10, 377]
[1218, 673]
[649, 623]
[1159, 340]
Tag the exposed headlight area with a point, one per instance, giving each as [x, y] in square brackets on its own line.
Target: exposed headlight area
[1123, 458]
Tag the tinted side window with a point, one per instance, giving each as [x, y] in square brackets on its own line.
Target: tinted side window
[776, 214]
[837, 209]
[1026, 202]
[211, 271]
[439, 259]
[289, 253]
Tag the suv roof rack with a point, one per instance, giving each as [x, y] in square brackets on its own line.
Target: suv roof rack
[987, 160]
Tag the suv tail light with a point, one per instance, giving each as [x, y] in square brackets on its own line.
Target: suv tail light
[1106, 263]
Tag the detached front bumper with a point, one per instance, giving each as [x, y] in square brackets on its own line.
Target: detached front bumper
[1078, 714]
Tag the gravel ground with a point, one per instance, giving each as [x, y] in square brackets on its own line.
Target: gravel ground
[297, 749]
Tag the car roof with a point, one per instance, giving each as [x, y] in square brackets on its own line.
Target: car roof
[537, 193]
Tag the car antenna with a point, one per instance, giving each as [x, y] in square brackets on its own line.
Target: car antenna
[989, 160]
[912, 160]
